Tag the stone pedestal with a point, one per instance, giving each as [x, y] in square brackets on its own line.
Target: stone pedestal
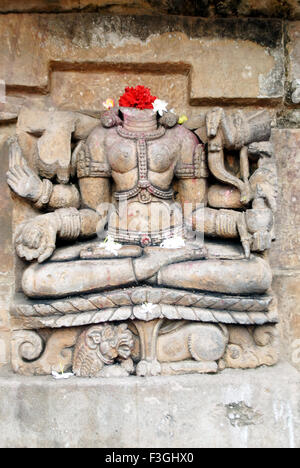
[253, 408]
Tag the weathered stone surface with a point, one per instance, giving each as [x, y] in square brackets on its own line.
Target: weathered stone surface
[6, 206]
[287, 288]
[54, 355]
[251, 347]
[222, 196]
[53, 148]
[251, 69]
[89, 350]
[154, 412]
[288, 118]
[10, 107]
[296, 91]
[251, 276]
[6, 252]
[139, 296]
[90, 89]
[5, 340]
[131, 313]
[100, 346]
[293, 47]
[285, 252]
[268, 8]
[6, 294]
[201, 342]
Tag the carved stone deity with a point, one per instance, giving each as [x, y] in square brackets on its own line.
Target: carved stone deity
[156, 230]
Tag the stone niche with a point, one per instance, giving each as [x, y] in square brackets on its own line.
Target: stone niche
[163, 295]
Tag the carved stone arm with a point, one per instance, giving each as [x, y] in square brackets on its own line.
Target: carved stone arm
[27, 184]
[226, 224]
[36, 239]
[22, 180]
[234, 131]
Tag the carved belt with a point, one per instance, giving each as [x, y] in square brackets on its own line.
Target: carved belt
[145, 238]
[144, 190]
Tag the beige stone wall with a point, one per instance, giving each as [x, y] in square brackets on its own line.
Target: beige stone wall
[77, 60]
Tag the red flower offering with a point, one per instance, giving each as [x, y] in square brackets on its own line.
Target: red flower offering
[139, 97]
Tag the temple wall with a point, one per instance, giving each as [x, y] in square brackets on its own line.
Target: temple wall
[234, 59]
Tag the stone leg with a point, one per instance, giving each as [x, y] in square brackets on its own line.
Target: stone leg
[247, 276]
[59, 279]
[148, 333]
[179, 268]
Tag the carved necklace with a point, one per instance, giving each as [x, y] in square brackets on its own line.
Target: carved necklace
[144, 189]
[154, 135]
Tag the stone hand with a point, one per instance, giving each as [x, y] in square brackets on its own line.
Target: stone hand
[261, 241]
[246, 247]
[36, 239]
[21, 179]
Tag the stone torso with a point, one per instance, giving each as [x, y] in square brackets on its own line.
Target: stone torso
[134, 160]
[142, 167]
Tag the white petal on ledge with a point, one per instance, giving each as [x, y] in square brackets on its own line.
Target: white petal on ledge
[173, 243]
[58, 376]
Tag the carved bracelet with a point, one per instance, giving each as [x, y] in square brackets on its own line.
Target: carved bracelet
[47, 189]
[70, 223]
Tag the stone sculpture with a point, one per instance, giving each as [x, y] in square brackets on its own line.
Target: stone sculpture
[183, 260]
[99, 346]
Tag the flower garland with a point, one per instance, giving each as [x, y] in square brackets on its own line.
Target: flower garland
[139, 97]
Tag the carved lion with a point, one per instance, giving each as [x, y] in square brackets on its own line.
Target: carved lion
[100, 346]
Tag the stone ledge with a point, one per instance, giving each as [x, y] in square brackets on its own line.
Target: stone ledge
[234, 409]
[252, 69]
[269, 8]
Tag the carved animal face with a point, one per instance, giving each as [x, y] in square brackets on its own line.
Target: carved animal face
[110, 341]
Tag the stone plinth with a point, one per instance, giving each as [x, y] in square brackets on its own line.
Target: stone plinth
[234, 409]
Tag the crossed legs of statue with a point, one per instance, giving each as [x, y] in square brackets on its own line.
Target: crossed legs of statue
[185, 268]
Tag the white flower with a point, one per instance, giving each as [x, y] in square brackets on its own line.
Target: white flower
[63, 375]
[148, 307]
[173, 243]
[111, 246]
[160, 106]
[109, 104]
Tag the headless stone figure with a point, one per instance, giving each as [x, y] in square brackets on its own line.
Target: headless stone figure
[134, 165]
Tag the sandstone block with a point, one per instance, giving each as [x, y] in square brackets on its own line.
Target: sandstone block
[293, 47]
[4, 347]
[287, 289]
[205, 8]
[285, 252]
[6, 291]
[9, 106]
[6, 259]
[241, 69]
[236, 409]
